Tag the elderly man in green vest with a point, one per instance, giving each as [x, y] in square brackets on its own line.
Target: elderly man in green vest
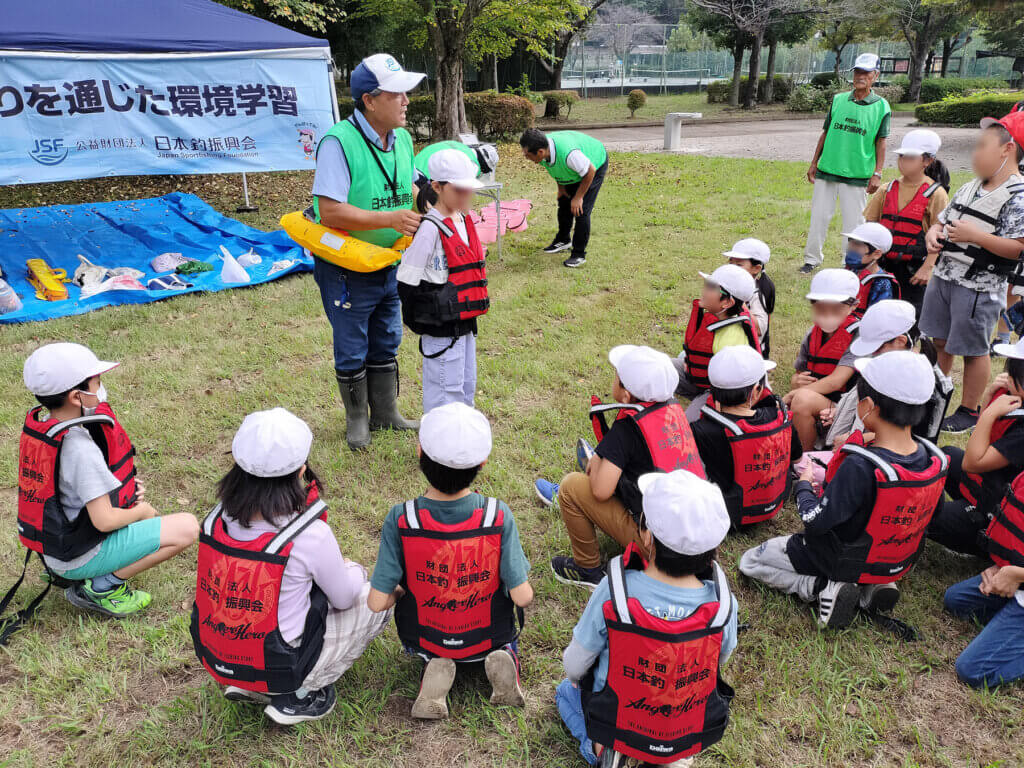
[848, 160]
[365, 185]
[578, 164]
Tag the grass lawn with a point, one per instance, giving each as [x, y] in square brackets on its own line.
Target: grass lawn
[614, 110]
[77, 690]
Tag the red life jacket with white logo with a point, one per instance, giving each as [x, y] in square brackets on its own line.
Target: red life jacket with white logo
[906, 224]
[455, 604]
[234, 625]
[664, 698]
[761, 457]
[824, 354]
[895, 533]
[665, 431]
[1004, 537]
[867, 282]
[972, 485]
[700, 339]
[42, 524]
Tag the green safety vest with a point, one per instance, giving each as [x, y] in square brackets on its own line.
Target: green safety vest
[423, 156]
[849, 148]
[371, 190]
[565, 142]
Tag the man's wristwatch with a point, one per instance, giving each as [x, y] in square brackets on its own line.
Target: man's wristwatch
[877, 173]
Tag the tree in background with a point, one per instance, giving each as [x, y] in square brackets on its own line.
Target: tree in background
[844, 22]
[1002, 24]
[622, 28]
[554, 63]
[789, 31]
[724, 34]
[311, 15]
[922, 24]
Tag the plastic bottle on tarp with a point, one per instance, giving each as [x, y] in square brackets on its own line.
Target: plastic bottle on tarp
[9, 301]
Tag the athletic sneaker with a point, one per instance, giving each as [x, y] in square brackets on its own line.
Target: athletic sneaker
[567, 572]
[547, 491]
[558, 245]
[432, 702]
[879, 598]
[837, 604]
[583, 454]
[576, 260]
[502, 670]
[234, 693]
[118, 602]
[960, 421]
[289, 709]
[806, 269]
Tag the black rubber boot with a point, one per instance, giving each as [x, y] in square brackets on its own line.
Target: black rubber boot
[382, 387]
[353, 394]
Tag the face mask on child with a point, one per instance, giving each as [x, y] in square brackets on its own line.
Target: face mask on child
[100, 394]
[854, 261]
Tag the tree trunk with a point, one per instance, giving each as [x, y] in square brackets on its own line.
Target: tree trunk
[451, 110]
[737, 72]
[839, 54]
[769, 77]
[947, 50]
[754, 73]
[496, 73]
[918, 56]
[928, 62]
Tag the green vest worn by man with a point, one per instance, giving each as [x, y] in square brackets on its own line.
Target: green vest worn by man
[423, 156]
[565, 142]
[849, 149]
[371, 188]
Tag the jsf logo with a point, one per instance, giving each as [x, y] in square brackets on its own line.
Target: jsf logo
[48, 151]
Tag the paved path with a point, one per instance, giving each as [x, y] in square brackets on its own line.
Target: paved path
[776, 140]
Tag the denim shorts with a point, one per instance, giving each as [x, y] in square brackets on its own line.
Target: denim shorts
[965, 318]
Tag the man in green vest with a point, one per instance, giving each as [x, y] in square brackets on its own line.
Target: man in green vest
[578, 164]
[365, 184]
[848, 160]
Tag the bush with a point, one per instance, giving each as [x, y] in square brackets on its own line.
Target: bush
[635, 100]
[420, 114]
[718, 91]
[498, 115]
[555, 100]
[892, 93]
[824, 79]
[938, 88]
[968, 110]
[807, 98]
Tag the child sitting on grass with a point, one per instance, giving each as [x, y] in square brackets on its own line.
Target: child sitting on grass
[752, 255]
[451, 564]
[866, 244]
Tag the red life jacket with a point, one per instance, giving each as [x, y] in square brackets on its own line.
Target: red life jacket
[700, 339]
[823, 355]
[665, 431]
[761, 457]
[42, 524]
[1004, 537]
[972, 485]
[867, 281]
[234, 616]
[664, 698]
[906, 224]
[455, 604]
[467, 267]
[895, 533]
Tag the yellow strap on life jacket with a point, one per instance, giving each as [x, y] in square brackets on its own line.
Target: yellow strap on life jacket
[339, 247]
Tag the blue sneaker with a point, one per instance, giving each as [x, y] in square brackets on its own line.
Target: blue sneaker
[583, 454]
[546, 491]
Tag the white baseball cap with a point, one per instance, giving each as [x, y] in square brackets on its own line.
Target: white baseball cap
[453, 167]
[749, 248]
[920, 141]
[868, 62]
[648, 374]
[904, 376]
[883, 321]
[272, 443]
[872, 233]
[456, 436]
[734, 280]
[382, 72]
[56, 368]
[837, 285]
[684, 512]
[1015, 351]
[737, 367]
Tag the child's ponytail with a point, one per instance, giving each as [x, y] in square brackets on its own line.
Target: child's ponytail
[937, 171]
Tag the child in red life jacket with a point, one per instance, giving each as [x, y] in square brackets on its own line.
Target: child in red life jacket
[745, 437]
[451, 564]
[824, 364]
[279, 613]
[866, 244]
[649, 434]
[658, 698]
[980, 474]
[442, 281]
[867, 529]
[80, 506]
[752, 255]
[907, 207]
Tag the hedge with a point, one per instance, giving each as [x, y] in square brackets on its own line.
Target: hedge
[718, 91]
[937, 88]
[555, 100]
[824, 79]
[968, 110]
[807, 98]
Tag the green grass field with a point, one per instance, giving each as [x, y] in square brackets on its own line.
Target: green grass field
[77, 690]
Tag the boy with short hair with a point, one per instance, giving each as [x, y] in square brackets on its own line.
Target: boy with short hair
[656, 633]
[745, 437]
[752, 255]
[79, 503]
[451, 564]
[866, 244]
[981, 237]
[868, 527]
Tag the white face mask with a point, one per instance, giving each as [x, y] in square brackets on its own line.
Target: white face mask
[100, 394]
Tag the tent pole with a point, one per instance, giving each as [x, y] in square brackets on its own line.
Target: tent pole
[247, 208]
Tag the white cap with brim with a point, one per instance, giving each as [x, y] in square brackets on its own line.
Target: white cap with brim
[272, 443]
[920, 141]
[646, 373]
[874, 234]
[882, 322]
[1016, 351]
[684, 512]
[836, 285]
[737, 367]
[749, 248]
[734, 280]
[866, 62]
[905, 376]
[382, 72]
[456, 435]
[453, 167]
[56, 368]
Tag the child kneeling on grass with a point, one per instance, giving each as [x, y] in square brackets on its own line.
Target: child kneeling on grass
[279, 613]
[643, 668]
[868, 527]
[752, 255]
[80, 505]
[451, 563]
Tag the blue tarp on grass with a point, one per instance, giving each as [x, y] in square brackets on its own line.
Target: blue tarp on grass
[130, 233]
